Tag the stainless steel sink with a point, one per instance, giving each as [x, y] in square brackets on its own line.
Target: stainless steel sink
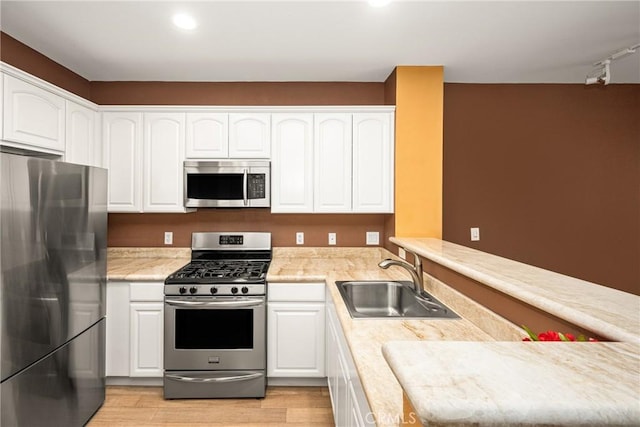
[390, 299]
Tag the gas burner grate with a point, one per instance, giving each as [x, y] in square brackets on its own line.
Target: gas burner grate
[216, 270]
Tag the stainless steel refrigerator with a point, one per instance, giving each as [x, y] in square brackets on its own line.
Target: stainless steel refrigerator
[53, 222]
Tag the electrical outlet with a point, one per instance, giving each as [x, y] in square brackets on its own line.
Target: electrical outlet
[332, 238]
[402, 253]
[299, 238]
[373, 238]
[168, 237]
[475, 234]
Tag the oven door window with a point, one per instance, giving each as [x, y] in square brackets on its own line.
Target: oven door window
[214, 329]
[215, 186]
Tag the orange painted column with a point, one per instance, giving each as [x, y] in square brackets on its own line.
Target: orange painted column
[418, 139]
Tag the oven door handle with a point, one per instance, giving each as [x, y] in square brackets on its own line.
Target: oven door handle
[215, 379]
[234, 303]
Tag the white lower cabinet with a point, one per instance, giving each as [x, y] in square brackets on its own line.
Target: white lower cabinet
[296, 330]
[350, 406]
[117, 332]
[135, 329]
[146, 339]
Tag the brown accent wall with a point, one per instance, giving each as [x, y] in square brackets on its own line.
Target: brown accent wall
[550, 174]
[21, 56]
[512, 309]
[147, 230]
[237, 93]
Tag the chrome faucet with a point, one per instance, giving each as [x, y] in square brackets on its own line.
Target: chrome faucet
[415, 270]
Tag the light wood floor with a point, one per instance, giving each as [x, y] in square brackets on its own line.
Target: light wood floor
[145, 407]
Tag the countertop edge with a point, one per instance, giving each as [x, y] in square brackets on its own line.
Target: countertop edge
[408, 360]
[577, 317]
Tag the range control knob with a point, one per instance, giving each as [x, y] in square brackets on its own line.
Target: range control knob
[182, 290]
[245, 289]
[213, 290]
[193, 289]
[234, 290]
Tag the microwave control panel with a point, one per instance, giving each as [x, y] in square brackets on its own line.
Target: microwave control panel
[256, 186]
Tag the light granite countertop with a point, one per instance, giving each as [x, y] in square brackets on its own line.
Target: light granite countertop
[507, 384]
[145, 264]
[464, 347]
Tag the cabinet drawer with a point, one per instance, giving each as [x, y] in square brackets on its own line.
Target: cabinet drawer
[296, 291]
[147, 291]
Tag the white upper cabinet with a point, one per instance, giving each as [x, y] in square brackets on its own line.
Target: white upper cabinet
[346, 166]
[292, 163]
[332, 163]
[207, 135]
[82, 141]
[33, 116]
[164, 139]
[144, 153]
[250, 135]
[373, 159]
[122, 140]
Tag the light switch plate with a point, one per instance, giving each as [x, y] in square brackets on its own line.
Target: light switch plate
[373, 238]
[401, 253]
[475, 234]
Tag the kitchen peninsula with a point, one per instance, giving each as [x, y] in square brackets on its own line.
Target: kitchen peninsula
[509, 383]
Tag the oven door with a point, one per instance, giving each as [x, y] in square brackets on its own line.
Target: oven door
[214, 333]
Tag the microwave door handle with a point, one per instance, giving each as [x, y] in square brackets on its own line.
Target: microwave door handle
[245, 184]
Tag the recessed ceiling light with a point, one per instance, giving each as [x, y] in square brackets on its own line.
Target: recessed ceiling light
[379, 3]
[184, 21]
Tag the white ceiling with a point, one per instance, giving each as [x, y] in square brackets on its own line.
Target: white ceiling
[303, 40]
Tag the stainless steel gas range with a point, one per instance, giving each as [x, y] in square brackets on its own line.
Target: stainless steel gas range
[215, 318]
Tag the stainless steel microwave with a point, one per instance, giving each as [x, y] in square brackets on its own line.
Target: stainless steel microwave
[227, 184]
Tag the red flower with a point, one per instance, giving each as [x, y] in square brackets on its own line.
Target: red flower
[549, 336]
[553, 336]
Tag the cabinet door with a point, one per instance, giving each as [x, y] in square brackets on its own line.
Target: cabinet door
[344, 407]
[250, 136]
[32, 116]
[373, 162]
[117, 332]
[164, 137]
[147, 329]
[81, 142]
[122, 141]
[207, 135]
[295, 340]
[292, 163]
[332, 163]
[331, 357]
